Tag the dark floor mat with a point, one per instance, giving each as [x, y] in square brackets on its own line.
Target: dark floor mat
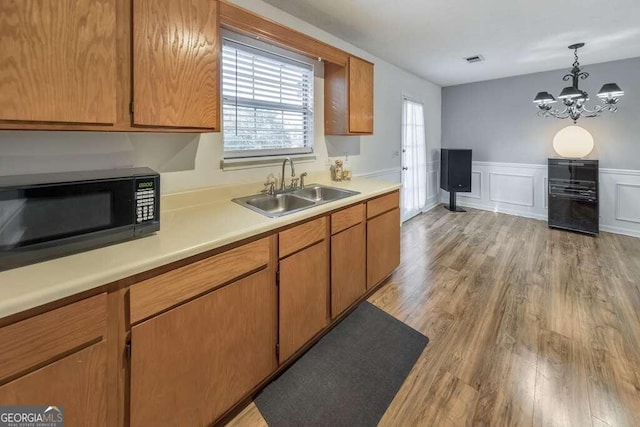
[349, 377]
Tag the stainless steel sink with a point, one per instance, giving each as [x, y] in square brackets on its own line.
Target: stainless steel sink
[293, 200]
[321, 193]
[277, 205]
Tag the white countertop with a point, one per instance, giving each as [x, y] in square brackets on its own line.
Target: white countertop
[191, 223]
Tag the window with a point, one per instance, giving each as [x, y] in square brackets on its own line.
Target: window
[267, 102]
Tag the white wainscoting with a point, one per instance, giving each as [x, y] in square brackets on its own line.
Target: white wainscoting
[433, 185]
[521, 189]
[511, 188]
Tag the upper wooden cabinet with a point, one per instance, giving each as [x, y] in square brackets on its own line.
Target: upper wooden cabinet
[176, 55]
[58, 61]
[348, 98]
[360, 96]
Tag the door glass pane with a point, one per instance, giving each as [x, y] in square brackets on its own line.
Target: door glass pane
[414, 178]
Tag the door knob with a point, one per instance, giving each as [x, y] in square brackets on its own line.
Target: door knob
[405, 168]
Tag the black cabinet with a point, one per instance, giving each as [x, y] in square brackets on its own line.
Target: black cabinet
[574, 195]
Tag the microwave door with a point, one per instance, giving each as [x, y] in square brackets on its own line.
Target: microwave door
[11, 229]
[45, 221]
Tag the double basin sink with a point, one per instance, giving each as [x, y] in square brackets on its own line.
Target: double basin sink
[292, 201]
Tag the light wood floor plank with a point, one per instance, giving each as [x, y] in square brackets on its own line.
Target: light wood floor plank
[528, 326]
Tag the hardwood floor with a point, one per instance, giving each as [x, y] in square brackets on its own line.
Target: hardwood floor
[528, 326]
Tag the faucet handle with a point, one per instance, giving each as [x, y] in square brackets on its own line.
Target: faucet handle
[269, 187]
[294, 183]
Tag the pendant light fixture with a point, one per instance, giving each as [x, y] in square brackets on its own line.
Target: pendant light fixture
[574, 98]
[573, 142]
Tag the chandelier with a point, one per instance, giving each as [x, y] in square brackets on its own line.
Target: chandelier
[574, 98]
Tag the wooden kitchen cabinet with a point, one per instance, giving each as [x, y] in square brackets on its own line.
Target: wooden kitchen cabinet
[77, 383]
[348, 268]
[59, 358]
[348, 258]
[348, 106]
[383, 246]
[58, 61]
[192, 363]
[176, 55]
[303, 289]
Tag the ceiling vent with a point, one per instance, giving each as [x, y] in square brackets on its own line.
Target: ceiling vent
[474, 58]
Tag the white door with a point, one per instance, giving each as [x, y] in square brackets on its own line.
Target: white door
[414, 160]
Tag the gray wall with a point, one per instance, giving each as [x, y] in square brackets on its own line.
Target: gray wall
[497, 118]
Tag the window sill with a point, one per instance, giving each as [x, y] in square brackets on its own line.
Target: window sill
[261, 162]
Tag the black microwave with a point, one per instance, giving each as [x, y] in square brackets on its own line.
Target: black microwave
[46, 216]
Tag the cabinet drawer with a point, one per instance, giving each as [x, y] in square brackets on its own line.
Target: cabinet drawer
[296, 238]
[167, 290]
[383, 204]
[346, 218]
[36, 340]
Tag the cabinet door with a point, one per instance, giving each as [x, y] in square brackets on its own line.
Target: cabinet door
[58, 61]
[383, 246]
[360, 96]
[348, 268]
[192, 363]
[304, 297]
[77, 383]
[176, 52]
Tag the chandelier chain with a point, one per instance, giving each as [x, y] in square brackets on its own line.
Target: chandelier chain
[575, 55]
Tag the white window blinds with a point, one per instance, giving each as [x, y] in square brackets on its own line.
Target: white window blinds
[267, 103]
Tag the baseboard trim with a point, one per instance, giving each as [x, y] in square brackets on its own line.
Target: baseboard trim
[618, 230]
[431, 206]
[514, 212]
[605, 228]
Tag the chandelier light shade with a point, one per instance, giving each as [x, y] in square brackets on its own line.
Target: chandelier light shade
[574, 98]
[610, 90]
[573, 142]
[544, 97]
[570, 92]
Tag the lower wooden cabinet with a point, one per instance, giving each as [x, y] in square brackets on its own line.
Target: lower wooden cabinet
[383, 246]
[191, 364]
[304, 297]
[77, 383]
[204, 335]
[348, 268]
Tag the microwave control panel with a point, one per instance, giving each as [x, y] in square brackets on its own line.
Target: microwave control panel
[145, 200]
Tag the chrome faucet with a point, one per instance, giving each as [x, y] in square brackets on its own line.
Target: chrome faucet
[293, 171]
[302, 177]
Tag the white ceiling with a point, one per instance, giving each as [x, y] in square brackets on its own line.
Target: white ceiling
[430, 38]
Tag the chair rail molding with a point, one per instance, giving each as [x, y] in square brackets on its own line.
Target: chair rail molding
[521, 189]
[391, 174]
